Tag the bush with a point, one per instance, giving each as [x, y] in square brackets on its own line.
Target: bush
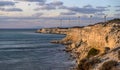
[87, 64]
[108, 65]
[92, 52]
[114, 20]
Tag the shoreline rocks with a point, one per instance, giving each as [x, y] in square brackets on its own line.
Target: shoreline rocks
[53, 30]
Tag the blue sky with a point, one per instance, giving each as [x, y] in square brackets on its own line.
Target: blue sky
[47, 13]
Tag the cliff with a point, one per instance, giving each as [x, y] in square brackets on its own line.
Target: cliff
[94, 47]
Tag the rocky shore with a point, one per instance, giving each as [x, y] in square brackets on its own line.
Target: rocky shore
[53, 30]
[94, 47]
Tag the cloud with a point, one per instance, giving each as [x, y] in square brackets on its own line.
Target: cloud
[101, 7]
[45, 7]
[6, 3]
[2, 9]
[117, 10]
[86, 10]
[100, 14]
[87, 6]
[49, 6]
[63, 7]
[32, 0]
[109, 6]
[40, 4]
[37, 14]
[67, 13]
[11, 9]
[56, 3]
[106, 8]
[117, 15]
[118, 6]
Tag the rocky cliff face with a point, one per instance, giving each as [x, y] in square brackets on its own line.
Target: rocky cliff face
[95, 46]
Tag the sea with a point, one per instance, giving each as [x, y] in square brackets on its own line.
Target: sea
[23, 49]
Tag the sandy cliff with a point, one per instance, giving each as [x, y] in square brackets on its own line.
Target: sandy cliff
[95, 47]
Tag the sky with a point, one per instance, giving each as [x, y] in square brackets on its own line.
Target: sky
[56, 13]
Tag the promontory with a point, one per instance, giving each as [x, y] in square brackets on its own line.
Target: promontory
[94, 47]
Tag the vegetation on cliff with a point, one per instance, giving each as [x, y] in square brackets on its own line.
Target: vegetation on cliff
[116, 20]
[92, 52]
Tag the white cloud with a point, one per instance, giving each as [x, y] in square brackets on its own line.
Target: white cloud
[11, 9]
[7, 3]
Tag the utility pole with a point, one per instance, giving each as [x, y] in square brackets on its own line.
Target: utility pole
[91, 18]
[61, 23]
[105, 18]
[69, 21]
[78, 19]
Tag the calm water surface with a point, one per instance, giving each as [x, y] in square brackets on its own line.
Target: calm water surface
[26, 50]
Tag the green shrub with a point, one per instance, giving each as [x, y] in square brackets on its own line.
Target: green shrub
[114, 20]
[92, 52]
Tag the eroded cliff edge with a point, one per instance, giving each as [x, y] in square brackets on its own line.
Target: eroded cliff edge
[95, 47]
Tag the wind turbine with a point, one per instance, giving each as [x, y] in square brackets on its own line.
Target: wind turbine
[78, 19]
[69, 21]
[91, 18]
[61, 22]
[105, 18]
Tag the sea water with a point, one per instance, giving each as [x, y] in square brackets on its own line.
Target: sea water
[23, 49]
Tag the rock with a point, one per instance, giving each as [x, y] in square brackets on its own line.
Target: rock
[55, 41]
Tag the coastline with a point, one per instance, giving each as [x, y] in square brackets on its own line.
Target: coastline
[94, 47]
